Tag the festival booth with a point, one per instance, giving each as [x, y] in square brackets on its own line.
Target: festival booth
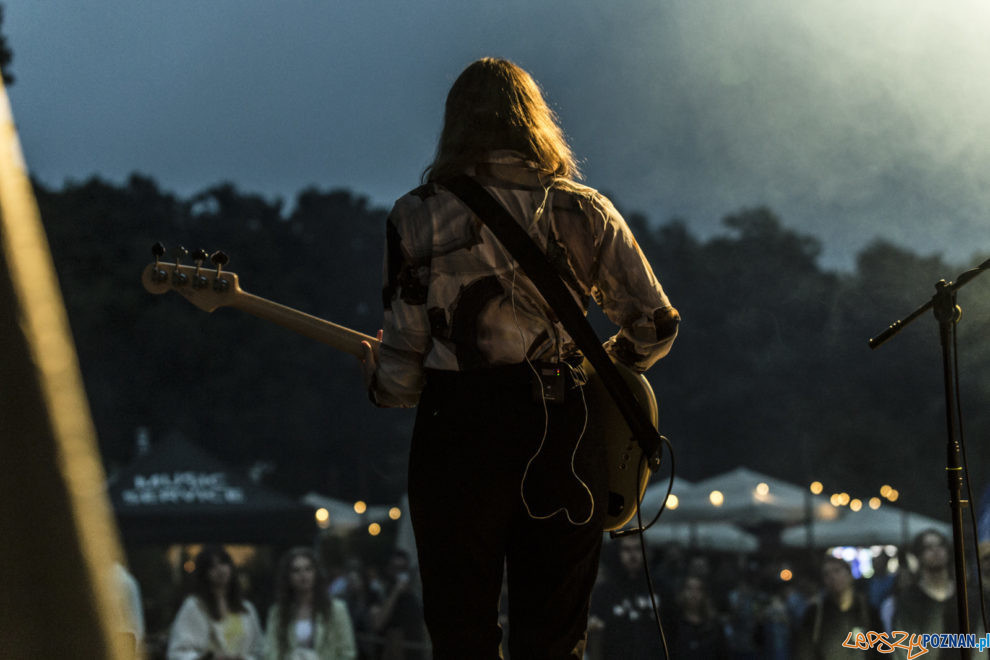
[177, 493]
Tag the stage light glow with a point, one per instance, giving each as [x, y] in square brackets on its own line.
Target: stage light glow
[673, 501]
[394, 513]
[360, 507]
[374, 529]
[716, 498]
[816, 488]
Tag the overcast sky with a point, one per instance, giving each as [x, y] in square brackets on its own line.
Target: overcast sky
[851, 119]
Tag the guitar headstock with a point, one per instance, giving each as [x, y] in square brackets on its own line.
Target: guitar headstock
[207, 288]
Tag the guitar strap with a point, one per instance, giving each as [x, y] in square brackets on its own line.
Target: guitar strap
[539, 269]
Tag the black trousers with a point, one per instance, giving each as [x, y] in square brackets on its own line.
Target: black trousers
[475, 433]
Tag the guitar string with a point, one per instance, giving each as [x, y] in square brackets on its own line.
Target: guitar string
[546, 413]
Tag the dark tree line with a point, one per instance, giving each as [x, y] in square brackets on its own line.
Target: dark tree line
[772, 369]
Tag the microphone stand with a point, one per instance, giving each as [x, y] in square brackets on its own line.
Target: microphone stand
[948, 313]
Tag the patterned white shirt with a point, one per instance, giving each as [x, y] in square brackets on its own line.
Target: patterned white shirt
[455, 300]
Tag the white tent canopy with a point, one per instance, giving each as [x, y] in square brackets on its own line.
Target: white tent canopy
[746, 497]
[721, 536]
[884, 526]
[655, 492]
[702, 535]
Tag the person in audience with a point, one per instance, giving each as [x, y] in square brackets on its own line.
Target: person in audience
[398, 618]
[693, 628]
[840, 610]
[305, 623]
[623, 624]
[927, 604]
[215, 622]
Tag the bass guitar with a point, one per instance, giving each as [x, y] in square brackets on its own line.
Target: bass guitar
[210, 288]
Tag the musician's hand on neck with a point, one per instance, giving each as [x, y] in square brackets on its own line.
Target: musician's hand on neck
[369, 360]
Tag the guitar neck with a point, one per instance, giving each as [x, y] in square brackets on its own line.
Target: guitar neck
[337, 336]
[209, 290]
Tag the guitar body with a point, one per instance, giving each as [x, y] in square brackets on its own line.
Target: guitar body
[627, 474]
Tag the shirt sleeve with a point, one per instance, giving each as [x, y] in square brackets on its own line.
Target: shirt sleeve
[631, 296]
[406, 335]
[271, 634]
[189, 637]
[256, 647]
[345, 646]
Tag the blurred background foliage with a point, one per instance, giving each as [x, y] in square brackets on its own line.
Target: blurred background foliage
[772, 368]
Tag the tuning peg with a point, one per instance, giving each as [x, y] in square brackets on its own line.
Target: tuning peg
[179, 278]
[219, 260]
[199, 280]
[158, 275]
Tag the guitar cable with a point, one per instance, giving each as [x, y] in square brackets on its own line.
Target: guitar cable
[546, 413]
[644, 465]
[639, 529]
[577, 445]
[546, 429]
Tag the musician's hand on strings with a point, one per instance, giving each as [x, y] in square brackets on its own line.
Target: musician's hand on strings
[369, 360]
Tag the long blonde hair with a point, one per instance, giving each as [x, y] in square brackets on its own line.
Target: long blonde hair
[495, 104]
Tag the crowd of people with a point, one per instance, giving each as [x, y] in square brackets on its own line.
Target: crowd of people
[352, 613]
[710, 604]
[725, 607]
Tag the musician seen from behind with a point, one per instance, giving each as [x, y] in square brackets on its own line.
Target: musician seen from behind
[465, 334]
